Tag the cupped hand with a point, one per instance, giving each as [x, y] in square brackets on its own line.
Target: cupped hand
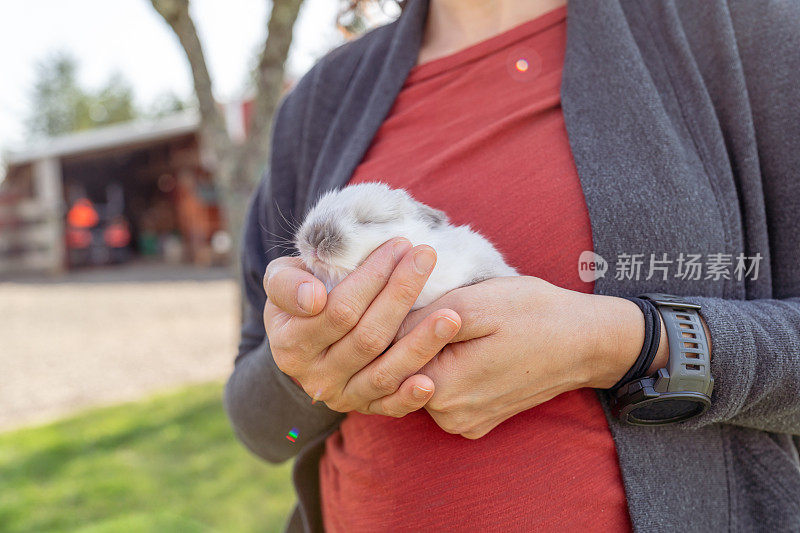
[335, 345]
[522, 342]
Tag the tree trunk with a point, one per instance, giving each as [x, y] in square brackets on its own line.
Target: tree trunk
[236, 168]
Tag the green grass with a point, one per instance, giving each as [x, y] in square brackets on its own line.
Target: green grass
[170, 463]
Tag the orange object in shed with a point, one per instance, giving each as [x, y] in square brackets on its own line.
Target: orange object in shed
[82, 214]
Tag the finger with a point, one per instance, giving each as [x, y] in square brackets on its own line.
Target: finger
[474, 434]
[274, 317]
[484, 428]
[377, 327]
[348, 301]
[412, 395]
[413, 319]
[292, 288]
[477, 319]
[385, 374]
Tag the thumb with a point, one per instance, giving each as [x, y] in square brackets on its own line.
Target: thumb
[294, 290]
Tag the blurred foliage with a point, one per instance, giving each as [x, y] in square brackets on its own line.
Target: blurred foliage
[59, 104]
[170, 463]
[352, 19]
[359, 16]
[166, 104]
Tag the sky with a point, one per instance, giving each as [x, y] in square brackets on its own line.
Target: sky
[128, 36]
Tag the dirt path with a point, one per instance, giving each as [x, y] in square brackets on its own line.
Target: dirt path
[100, 339]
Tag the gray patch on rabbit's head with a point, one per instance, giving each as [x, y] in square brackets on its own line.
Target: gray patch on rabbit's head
[366, 213]
[378, 204]
[325, 235]
[432, 217]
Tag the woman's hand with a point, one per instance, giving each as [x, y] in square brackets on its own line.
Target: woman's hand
[330, 343]
[524, 341]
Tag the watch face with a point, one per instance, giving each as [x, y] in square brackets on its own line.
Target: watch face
[646, 407]
[665, 411]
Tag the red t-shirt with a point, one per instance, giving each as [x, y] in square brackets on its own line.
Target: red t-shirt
[480, 134]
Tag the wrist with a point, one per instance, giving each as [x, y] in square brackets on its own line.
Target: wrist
[662, 355]
[619, 336]
[618, 340]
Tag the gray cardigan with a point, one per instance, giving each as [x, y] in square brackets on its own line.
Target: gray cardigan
[684, 122]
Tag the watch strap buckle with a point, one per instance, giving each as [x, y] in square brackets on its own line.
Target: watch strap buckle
[668, 300]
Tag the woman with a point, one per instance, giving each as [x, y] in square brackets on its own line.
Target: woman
[645, 132]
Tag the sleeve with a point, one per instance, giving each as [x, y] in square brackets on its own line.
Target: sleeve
[756, 343]
[755, 362]
[262, 403]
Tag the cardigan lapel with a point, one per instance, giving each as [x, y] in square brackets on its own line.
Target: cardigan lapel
[646, 187]
[647, 191]
[368, 101]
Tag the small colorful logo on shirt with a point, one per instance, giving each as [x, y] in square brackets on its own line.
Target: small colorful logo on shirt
[293, 434]
[524, 64]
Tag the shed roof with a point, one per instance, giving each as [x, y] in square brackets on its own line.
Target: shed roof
[98, 139]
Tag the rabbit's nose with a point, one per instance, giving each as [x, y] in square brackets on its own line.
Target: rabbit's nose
[325, 238]
[316, 234]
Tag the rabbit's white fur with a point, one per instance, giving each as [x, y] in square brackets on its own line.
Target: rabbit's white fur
[346, 225]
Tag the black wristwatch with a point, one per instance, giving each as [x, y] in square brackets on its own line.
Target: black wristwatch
[680, 391]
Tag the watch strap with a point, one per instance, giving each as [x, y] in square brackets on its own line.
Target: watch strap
[652, 340]
[689, 366]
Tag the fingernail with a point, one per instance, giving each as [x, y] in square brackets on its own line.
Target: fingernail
[424, 260]
[445, 327]
[305, 296]
[420, 392]
[400, 248]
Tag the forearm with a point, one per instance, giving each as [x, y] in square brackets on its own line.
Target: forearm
[263, 405]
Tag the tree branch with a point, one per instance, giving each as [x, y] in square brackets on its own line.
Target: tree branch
[269, 84]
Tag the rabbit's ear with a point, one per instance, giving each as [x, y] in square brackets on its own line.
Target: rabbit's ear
[432, 217]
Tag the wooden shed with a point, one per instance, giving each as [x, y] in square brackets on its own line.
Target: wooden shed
[143, 180]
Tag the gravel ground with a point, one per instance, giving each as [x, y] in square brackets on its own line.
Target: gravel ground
[109, 336]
